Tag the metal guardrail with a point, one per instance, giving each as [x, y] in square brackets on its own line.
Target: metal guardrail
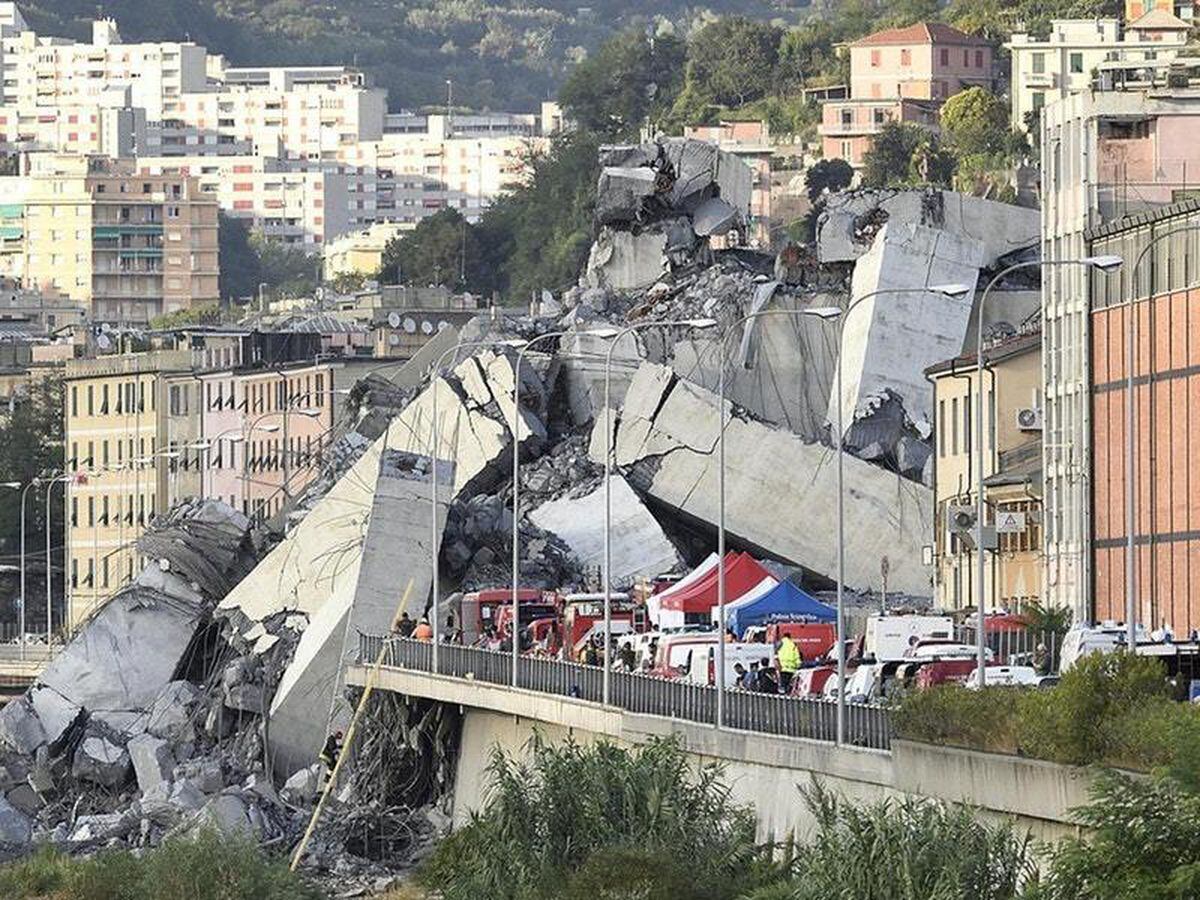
[867, 725]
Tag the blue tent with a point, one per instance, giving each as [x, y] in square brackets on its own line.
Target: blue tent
[784, 603]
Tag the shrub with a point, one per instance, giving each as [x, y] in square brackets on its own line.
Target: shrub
[950, 714]
[209, 867]
[555, 812]
[1110, 709]
[903, 850]
[1144, 845]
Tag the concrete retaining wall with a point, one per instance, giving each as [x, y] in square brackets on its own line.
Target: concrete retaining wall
[763, 771]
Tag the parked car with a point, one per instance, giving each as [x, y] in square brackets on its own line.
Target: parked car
[1005, 676]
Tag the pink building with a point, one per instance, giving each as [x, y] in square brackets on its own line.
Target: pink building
[901, 74]
[265, 429]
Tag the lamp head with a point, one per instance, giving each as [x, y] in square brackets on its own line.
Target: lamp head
[699, 323]
[823, 312]
[957, 291]
[1106, 263]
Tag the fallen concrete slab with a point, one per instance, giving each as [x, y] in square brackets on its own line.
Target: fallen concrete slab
[850, 220]
[639, 546]
[624, 261]
[781, 491]
[395, 550]
[889, 339]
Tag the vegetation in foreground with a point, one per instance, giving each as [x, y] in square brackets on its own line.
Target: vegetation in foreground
[1113, 710]
[208, 867]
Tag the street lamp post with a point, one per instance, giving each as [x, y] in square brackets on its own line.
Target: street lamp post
[1131, 575]
[24, 593]
[516, 479]
[609, 425]
[60, 479]
[1101, 263]
[434, 375]
[826, 314]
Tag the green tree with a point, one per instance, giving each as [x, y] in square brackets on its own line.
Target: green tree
[903, 155]
[1143, 844]
[830, 175]
[732, 60]
[194, 315]
[31, 445]
[538, 236]
[241, 268]
[443, 249]
[283, 268]
[976, 121]
[631, 80]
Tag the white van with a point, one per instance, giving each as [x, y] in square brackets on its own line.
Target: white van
[888, 638]
[1080, 640]
[704, 662]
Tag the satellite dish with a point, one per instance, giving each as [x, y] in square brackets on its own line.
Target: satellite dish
[394, 340]
[426, 327]
[410, 325]
[394, 319]
[103, 341]
[104, 326]
[164, 564]
[442, 326]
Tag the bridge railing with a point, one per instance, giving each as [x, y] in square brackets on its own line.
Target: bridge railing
[867, 725]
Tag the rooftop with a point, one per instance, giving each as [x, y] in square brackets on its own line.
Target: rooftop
[1007, 348]
[1160, 20]
[921, 33]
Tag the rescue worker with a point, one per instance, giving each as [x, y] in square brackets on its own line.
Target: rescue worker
[766, 683]
[423, 631]
[332, 749]
[405, 626]
[790, 659]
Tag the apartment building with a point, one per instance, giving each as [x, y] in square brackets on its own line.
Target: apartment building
[125, 246]
[266, 431]
[303, 204]
[1105, 156]
[1066, 62]
[1012, 473]
[902, 75]
[139, 428]
[1161, 302]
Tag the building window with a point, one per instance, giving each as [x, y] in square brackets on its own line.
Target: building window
[90, 409]
[846, 150]
[1076, 63]
[847, 118]
[74, 400]
[1038, 99]
[874, 59]
[74, 512]
[905, 57]
[879, 116]
[1038, 63]
[967, 401]
[91, 512]
[941, 417]
[954, 425]
[944, 56]
[979, 59]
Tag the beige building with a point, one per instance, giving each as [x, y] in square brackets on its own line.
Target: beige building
[115, 420]
[301, 204]
[1012, 473]
[125, 246]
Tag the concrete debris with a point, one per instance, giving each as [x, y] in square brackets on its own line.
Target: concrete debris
[895, 329]
[152, 761]
[657, 204]
[395, 550]
[779, 490]
[101, 761]
[302, 787]
[639, 546]
[15, 827]
[850, 220]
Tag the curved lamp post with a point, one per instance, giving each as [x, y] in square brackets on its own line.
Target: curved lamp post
[1102, 263]
[609, 425]
[516, 479]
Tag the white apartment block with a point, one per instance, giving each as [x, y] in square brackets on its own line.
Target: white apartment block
[305, 205]
[1045, 71]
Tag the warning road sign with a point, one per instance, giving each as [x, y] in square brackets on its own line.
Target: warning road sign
[1010, 522]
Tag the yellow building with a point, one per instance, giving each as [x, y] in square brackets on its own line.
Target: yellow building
[116, 413]
[361, 252]
[128, 247]
[1012, 472]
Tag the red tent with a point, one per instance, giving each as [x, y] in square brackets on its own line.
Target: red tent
[742, 572]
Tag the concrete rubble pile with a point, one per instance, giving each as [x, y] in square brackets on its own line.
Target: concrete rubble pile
[657, 205]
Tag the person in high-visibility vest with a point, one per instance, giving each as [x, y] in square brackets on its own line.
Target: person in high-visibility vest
[423, 631]
[789, 658]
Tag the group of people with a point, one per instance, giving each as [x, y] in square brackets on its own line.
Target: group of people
[765, 678]
[420, 629]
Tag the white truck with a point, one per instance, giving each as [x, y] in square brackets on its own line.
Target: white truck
[889, 638]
